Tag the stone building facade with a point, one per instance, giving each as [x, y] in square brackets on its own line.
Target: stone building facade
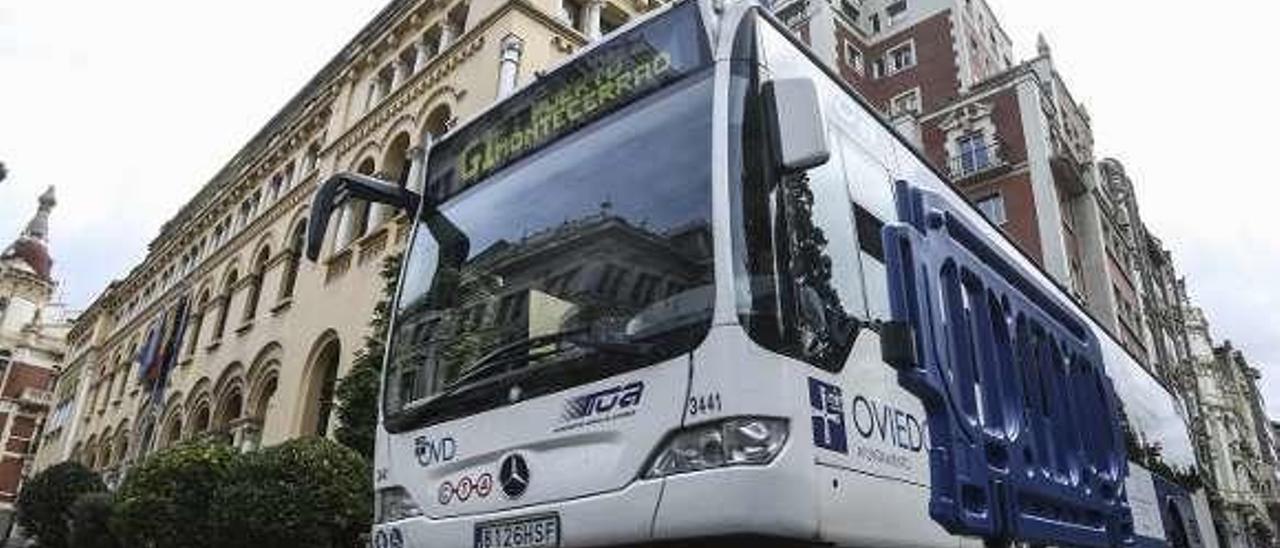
[31, 348]
[223, 327]
[1234, 440]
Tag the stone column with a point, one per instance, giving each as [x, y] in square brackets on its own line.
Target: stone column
[398, 75]
[509, 64]
[591, 18]
[377, 213]
[423, 55]
[448, 33]
[415, 179]
[346, 216]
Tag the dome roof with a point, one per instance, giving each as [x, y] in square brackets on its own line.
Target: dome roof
[32, 248]
[32, 252]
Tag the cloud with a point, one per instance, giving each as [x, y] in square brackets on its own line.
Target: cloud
[130, 107]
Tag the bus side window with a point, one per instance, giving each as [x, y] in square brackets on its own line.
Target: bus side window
[869, 187]
[824, 264]
[875, 280]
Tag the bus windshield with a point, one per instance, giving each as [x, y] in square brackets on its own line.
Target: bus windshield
[570, 269]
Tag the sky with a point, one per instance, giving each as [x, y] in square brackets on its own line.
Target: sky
[129, 107]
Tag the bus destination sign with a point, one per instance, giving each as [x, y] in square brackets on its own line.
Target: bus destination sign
[619, 72]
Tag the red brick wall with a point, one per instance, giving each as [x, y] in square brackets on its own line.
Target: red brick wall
[1007, 117]
[22, 376]
[843, 66]
[23, 427]
[10, 475]
[935, 73]
[1019, 206]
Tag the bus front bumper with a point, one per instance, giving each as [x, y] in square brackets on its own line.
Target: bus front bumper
[747, 506]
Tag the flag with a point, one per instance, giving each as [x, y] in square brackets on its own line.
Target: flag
[146, 354]
[171, 348]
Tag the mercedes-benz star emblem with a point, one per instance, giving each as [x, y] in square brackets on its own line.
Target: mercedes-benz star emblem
[513, 476]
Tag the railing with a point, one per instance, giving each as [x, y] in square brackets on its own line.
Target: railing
[975, 161]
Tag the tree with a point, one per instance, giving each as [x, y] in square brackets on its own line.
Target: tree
[44, 506]
[357, 392]
[308, 492]
[167, 500]
[90, 516]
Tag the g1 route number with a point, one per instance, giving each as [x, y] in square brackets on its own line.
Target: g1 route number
[704, 403]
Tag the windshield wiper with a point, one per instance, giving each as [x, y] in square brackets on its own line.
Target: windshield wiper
[501, 358]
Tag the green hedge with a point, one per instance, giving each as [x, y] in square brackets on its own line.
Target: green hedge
[304, 493]
[44, 506]
[308, 492]
[166, 501]
[90, 516]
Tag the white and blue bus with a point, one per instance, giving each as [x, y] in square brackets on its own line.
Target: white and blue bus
[687, 289]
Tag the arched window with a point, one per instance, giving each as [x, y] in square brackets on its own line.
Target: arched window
[360, 208]
[438, 123]
[200, 419]
[121, 451]
[395, 167]
[224, 304]
[255, 284]
[90, 453]
[197, 321]
[229, 409]
[396, 161]
[172, 431]
[439, 120]
[323, 374]
[130, 358]
[144, 444]
[266, 400]
[312, 158]
[260, 411]
[293, 259]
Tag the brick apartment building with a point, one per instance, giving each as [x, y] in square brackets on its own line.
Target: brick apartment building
[1010, 135]
[31, 335]
[1019, 146]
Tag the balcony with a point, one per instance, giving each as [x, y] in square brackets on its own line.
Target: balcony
[35, 396]
[977, 161]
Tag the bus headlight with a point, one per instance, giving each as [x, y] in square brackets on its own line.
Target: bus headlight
[394, 504]
[730, 442]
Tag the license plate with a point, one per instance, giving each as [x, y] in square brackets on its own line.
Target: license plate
[526, 532]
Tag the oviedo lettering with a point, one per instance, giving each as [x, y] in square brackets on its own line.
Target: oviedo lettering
[892, 429]
[606, 405]
[887, 424]
[598, 89]
[431, 451]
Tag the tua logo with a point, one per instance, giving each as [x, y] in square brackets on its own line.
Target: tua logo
[431, 451]
[619, 397]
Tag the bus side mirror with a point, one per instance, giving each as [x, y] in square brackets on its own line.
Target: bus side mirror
[798, 133]
[345, 186]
